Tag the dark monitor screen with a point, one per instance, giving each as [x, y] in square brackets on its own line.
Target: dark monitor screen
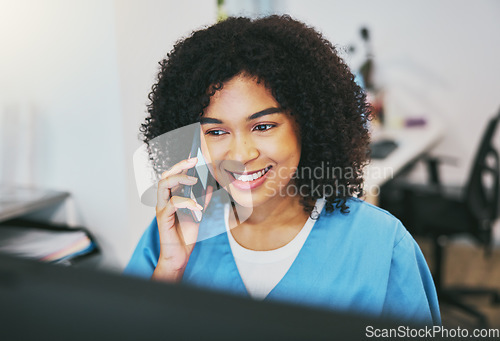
[40, 301]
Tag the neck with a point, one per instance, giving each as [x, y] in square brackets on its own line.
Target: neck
[279, 211]
[269, 226]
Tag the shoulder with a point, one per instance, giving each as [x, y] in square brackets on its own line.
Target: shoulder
[382, 257]
[145, 256]
[368, 221]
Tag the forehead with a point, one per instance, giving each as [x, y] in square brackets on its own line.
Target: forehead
[241, 95]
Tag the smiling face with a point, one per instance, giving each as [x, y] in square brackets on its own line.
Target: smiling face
[253, 146]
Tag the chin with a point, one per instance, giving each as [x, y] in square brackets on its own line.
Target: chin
[250, 200]
[242, 198]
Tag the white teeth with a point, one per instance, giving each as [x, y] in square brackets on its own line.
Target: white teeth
[250, 177]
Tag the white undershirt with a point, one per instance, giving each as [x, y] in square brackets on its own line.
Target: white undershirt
[262, 270]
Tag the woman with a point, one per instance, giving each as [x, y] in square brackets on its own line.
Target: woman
[284, 131]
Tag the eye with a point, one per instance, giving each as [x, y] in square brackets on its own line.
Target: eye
[264, 126]
[215, 132]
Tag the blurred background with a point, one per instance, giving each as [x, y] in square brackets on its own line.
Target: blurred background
[75, 75]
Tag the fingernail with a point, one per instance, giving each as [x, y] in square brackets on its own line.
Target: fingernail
[192, 160]
[199, 207]
[192, 179]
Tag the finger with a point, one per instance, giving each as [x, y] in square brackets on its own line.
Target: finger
[182, 202]
[166, 186]
[178, 179]
[179, 167]
[162, 196]
[177, 202]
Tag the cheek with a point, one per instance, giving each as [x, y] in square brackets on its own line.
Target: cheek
[209, 157]
[286, 147]
[214, 154]
[285, 151]
[205, 151]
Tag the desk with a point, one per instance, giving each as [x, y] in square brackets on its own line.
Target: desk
[18, 201]
[412, 142]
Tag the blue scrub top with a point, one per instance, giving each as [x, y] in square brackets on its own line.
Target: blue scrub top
[364, 262]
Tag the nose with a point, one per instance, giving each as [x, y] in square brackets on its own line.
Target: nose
[243, 149]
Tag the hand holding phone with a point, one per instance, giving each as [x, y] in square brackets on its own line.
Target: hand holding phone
[180, 194]
[177, 229]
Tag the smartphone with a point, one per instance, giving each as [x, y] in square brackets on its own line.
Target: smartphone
[147, 175]
[198, 191]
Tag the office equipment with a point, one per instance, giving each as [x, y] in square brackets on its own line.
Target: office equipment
[45, 242]
[33, 239]
[48, 302]
[382, 148]
[434, 211]
[413, 143]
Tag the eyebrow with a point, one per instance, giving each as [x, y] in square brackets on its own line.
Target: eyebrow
[268, 111]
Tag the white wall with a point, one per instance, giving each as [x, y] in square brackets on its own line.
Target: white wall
[80, 71]
[59, 61]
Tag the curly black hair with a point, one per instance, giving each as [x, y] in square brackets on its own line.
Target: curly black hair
[307, 78]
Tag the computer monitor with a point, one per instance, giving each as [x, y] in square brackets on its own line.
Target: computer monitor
[41, 301]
